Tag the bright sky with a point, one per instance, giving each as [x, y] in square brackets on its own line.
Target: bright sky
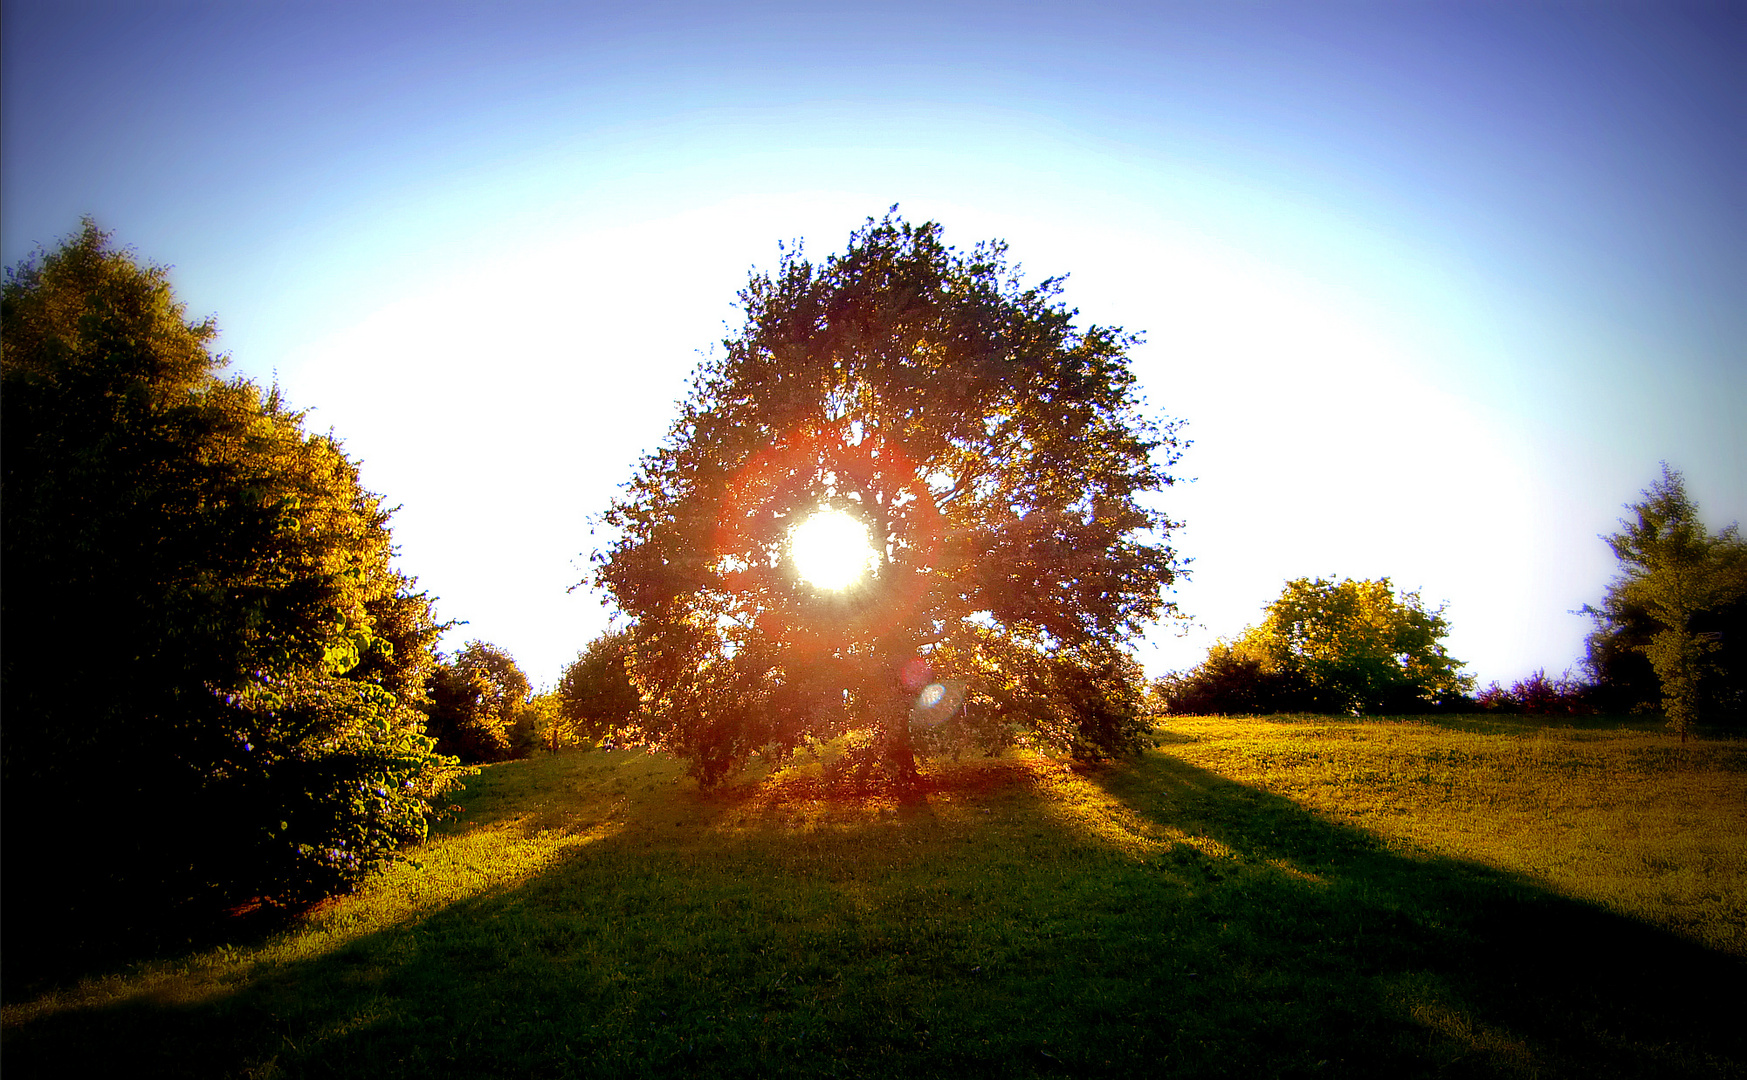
[1435, 285]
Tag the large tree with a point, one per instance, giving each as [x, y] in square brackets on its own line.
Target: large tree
[907, 471]
[211, 672]
[1679, 603]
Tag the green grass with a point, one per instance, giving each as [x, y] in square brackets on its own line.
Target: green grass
[1293, 897]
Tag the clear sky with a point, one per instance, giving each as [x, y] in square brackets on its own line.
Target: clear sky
[1435, 285]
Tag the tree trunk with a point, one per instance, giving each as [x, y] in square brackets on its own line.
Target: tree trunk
[900, 755]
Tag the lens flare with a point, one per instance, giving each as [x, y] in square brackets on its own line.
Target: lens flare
[831, 550]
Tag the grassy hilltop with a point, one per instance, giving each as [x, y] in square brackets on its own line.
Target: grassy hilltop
[1290, 897]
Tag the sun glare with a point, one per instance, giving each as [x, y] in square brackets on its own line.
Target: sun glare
[831, 549]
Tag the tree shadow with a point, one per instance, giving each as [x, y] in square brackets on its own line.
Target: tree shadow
[997, 927]
[1536, 982]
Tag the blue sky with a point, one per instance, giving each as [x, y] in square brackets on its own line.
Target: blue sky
[1435, 285]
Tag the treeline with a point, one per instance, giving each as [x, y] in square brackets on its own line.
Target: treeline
[1670, 636]
[482, 707]
[218, 692]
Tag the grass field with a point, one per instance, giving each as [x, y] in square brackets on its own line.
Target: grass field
[1291, 897]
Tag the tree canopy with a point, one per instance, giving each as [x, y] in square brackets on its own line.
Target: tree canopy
[595, 695]
[476, 699]
[995, 456]
[201, 620]
[1679, 603]
[1335, 645]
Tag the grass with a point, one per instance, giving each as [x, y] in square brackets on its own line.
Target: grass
[1290, 897]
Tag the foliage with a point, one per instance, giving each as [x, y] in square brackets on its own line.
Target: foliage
[1537, 695]
[1681, 603]
[203, 631]
[475, 701]
[995, 453]
[1334, 646]
[1234, 680]
[538, 726]
[595, 696]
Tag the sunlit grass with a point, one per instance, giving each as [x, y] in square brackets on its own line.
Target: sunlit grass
[1622, 817]
[1253, 897]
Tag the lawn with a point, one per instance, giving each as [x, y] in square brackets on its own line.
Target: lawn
[1288, 897]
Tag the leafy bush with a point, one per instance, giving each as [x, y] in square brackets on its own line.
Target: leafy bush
[1538, 695]
[1230, 682]
[212, 676]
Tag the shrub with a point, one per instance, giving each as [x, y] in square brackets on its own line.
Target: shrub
[1538, 695]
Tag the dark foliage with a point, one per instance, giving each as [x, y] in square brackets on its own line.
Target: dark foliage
[1230, 684]
[1537, 695]
[210, 671]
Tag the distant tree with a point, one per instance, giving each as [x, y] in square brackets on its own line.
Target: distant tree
[596, 696]
[994, 456]
[1681, 602]
[538, 726]
[1329, 646]
[210, 670]
[475, 700]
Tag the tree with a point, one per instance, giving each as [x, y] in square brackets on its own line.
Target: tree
[1680, 602]
[210, 668]
[475, 701]
[1330, 646]
[596, 695]
[994, 457]
[538, 726]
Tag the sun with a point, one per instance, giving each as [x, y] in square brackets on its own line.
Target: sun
[831, 549]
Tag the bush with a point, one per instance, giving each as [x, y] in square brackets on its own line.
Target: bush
[1538, 695]
[1230, 683]
[595, 696]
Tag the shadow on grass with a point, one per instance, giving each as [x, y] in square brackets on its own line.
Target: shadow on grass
[984, 931]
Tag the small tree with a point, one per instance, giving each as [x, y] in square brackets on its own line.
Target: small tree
[972, 467]
[475, 701]
[1681, 602]
[595, 695]
[1330, 646]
